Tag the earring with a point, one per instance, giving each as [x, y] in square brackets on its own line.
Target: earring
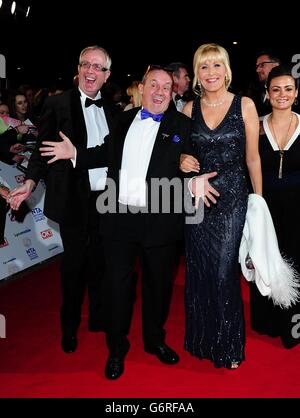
[226, 81]
[200, 88]
[295, 102]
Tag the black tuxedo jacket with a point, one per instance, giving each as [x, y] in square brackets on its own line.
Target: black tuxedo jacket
[7, 139]
[173, 138]
[67, 189]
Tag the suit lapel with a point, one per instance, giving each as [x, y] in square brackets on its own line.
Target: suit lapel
[79, 133]
[162, 136]
[108, 115]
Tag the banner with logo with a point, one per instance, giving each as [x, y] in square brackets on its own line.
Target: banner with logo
[31, 241]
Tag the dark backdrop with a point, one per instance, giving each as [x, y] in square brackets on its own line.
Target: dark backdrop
[45, 47]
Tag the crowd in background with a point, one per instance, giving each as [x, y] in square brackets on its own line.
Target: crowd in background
[231, 123]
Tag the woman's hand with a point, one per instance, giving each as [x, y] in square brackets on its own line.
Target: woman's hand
[201, 189]
[16, 148]
[188, 163]
[18, 195]
[22, 129]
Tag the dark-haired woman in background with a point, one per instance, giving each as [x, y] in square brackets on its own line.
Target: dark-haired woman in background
[279, 147]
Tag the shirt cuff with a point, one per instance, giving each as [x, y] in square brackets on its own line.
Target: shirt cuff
[190, 186]
[74, 160]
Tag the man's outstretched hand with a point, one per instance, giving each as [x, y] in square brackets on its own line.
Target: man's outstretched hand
[63, 150]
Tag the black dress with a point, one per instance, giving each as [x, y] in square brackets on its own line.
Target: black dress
[283, 199]
[213, 303]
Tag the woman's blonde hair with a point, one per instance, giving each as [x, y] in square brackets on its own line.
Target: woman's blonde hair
[210, 52]
[133, 91]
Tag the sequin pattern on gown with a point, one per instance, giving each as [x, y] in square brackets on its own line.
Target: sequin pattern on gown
[213, 303]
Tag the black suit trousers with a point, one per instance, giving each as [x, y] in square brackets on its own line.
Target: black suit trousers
[82, 266]
[157, 264]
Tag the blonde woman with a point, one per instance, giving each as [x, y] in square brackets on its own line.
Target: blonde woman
[134, 95]
[225, 132]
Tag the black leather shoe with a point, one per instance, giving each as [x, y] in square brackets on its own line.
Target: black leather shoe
[164, 353]
[69, 344]
[114, 368]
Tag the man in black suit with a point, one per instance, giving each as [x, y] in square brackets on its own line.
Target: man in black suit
[144, 146]
[265, 61]
[181, 83]
[71, 193]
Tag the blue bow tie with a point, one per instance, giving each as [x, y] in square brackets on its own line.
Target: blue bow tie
[145, 114]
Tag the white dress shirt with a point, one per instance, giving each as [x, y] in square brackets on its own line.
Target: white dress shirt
[137, 152]
[97, 129]
[178, 103]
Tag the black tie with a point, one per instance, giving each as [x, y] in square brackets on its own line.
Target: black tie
[178, 97]
[89, 102]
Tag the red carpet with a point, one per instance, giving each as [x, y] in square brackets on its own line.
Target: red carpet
[32, 363]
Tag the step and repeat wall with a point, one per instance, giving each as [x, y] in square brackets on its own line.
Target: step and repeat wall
[32, 240]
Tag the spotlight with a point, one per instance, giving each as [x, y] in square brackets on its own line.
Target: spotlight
[21, 9]
[13, 7]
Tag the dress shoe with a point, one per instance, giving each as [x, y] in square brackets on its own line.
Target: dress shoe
[114, 367]
[69, 344]
[164, 353]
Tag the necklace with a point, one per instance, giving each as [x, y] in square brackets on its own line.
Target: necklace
[213, 104]
[281, 150]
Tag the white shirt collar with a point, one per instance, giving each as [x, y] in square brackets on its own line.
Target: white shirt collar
[83, 96]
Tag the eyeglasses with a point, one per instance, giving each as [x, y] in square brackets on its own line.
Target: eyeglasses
[263, 63]
[96, 67]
